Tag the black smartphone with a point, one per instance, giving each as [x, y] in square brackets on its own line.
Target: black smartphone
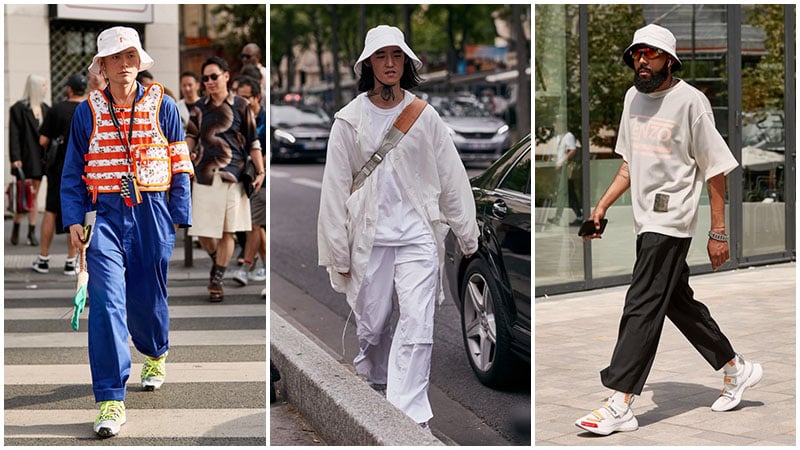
[588, 229]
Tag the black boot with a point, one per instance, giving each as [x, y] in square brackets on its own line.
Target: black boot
[15, 234]
[215, 283]
[32, 236]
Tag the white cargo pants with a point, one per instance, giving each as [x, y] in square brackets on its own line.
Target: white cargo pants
[403, 363]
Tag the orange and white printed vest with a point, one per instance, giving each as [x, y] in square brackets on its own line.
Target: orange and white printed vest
[151, 159]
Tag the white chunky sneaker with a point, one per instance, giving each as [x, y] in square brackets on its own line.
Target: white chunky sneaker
[608, 419]
[734, 386]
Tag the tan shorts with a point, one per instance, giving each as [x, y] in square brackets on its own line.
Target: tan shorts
[219, 208]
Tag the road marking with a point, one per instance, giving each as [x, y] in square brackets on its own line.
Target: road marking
[307, 182]
[173, 291]
[141, 423]
[176, 338]
[194, 372]
[175, 312]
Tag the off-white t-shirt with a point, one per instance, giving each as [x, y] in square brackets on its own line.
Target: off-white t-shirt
[672, 146]
[398, 222]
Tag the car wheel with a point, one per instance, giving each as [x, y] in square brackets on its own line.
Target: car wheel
[484, 327]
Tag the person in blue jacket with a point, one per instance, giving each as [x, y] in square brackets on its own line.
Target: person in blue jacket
[128, 161]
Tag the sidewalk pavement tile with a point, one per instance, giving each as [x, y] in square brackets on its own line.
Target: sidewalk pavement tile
[576, 334]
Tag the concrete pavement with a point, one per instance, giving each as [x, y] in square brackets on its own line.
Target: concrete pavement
[755, 308]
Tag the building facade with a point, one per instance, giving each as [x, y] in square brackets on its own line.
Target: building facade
[741, 56]
[55, 41]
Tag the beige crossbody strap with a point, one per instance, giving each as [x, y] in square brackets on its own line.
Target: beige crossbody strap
[399, 129]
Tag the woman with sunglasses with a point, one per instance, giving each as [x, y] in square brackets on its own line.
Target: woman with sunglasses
[222, 133]
[670, 147]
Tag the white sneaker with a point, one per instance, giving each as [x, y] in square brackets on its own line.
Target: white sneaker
[240, 277]
[259, 274]
[41, 265]
[607, 420]
[71, 266]
[734, 386]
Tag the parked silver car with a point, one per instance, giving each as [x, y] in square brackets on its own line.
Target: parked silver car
[477, 134]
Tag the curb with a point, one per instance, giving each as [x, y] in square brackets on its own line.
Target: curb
[342, 409]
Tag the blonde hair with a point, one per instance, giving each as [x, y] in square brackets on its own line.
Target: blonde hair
[35, 90]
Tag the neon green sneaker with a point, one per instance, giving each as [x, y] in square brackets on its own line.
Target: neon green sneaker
[110, 419]
[153, 372]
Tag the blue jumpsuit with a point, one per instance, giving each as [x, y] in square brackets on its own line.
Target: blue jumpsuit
[128, 256]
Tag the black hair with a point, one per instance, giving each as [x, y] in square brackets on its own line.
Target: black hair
[218, 61]
[244, 80]
[189, 73]
[251, 71]
[409, 80]
[144, 74]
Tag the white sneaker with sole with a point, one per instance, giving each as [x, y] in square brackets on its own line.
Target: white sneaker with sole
[607, 420]
[240, 277]
[734, 386]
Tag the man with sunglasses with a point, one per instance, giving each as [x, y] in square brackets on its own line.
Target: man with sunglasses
[670, 147]
[221, 133]
[251, 55]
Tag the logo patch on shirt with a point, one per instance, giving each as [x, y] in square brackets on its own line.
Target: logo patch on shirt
[661, 203]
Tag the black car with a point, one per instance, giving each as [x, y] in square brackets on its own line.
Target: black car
[492, 289]
[298, 132]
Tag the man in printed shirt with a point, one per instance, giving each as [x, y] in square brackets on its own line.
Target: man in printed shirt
[222, 132]
[669, 146]
[122, 164]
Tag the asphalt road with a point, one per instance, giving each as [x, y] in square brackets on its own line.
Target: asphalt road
[214, 394]
[465, 411]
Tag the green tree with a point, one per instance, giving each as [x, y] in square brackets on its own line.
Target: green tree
[763, 83]
[242, 24]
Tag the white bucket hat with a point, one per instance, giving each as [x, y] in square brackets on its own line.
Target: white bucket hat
[115, 40]
[654, 36]
[384, 36]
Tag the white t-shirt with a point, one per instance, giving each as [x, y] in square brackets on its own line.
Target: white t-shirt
[398, 222]
[564, 143]
[672, 146]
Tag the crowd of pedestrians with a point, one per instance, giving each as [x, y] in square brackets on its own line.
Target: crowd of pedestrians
[39, 136]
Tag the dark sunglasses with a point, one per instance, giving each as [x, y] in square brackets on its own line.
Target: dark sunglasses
[245, 56]
[649, 53]
[213, 77]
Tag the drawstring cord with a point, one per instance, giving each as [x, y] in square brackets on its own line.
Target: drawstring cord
[345, 330]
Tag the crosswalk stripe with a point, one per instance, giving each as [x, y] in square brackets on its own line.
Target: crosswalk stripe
[180, 337]
[175, 312]
[144, 423]
[195, 372]
[193, 291]
[224, 365]
[307, 182]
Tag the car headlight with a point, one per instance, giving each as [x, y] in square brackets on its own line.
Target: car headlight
[284, 136]
[503, 130]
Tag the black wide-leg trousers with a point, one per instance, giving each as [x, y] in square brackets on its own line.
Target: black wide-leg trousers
[659, 289]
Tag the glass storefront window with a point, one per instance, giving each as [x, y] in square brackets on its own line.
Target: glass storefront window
[763, 132]
[759, 209]
[559, 252]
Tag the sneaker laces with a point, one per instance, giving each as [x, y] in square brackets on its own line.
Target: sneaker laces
[154, 367]
[111, 410]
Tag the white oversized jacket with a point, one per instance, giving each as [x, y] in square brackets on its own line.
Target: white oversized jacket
[431, 173]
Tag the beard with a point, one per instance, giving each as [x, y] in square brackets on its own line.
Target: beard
[651, 83]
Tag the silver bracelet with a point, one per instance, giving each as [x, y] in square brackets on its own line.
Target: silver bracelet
[717, 236]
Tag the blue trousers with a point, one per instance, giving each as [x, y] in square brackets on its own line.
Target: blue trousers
[127, 259]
